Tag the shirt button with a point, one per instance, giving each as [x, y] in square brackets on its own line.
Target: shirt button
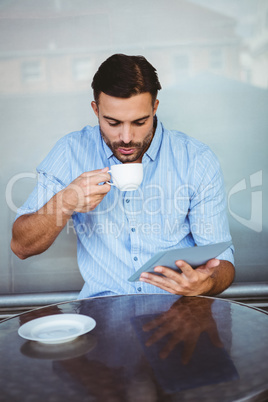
[127, 200]
[133, 229]
[135, 258]
[139, 289]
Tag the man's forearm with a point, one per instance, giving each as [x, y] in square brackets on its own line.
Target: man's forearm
[221, 278]
[34, 233]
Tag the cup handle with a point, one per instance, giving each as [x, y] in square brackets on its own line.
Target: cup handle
[108, 182]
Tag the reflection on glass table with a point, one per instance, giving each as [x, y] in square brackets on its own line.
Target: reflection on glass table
[143, 348]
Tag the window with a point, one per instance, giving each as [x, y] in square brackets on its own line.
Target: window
[31, 71]
[216, 59]
[82, 69]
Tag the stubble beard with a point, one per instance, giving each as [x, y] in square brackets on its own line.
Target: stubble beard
[140, 147]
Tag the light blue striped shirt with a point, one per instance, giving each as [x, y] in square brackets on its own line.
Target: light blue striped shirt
[181, 202]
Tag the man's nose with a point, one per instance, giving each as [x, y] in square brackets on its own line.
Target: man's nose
[126, 134]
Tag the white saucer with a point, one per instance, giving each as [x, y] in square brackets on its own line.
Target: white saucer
[57, 328]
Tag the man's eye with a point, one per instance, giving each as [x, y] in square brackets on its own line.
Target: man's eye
[113, 124]
[138, 123]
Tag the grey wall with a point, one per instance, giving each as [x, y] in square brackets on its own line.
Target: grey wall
[212, 61]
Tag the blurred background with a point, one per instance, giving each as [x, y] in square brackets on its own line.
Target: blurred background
[212, 62]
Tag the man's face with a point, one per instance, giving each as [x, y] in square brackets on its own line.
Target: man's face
[126, 125]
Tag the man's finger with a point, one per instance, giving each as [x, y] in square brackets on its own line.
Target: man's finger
[164, 283]
[186, 269]
[156, 322]
[103, 188]
[215, 337]
[168, 348]
[188, 350]
[95, 172]
[158, 335]
[212, 263]
[95, 179]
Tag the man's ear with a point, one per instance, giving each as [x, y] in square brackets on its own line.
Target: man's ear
[95, 108]
[155, 106]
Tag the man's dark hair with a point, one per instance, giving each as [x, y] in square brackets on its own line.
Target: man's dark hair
[123, 76]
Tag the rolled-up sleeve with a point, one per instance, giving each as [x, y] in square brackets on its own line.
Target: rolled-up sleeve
[53, 176]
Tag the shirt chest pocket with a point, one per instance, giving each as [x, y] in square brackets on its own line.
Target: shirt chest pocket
[169, 222]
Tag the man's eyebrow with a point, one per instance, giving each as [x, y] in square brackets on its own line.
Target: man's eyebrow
[134, 121]
[141, 118]
[111, 118]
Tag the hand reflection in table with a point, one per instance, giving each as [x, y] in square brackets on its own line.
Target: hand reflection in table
[184, 347]
[184, 322]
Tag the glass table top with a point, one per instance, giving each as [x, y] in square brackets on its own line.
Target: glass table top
[143, 348]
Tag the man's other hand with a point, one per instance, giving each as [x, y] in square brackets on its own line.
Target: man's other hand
[208, 279]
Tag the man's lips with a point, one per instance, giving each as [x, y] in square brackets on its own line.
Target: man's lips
[126, 151]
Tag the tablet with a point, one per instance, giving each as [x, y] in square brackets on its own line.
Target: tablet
[194, 256]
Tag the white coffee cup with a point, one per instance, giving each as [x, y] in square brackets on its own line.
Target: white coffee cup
[126, 176]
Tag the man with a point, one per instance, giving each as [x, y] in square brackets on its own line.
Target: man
[180, 203]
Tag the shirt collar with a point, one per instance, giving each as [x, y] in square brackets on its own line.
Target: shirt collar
[156, 142]
[151, 151]
[107, 150]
